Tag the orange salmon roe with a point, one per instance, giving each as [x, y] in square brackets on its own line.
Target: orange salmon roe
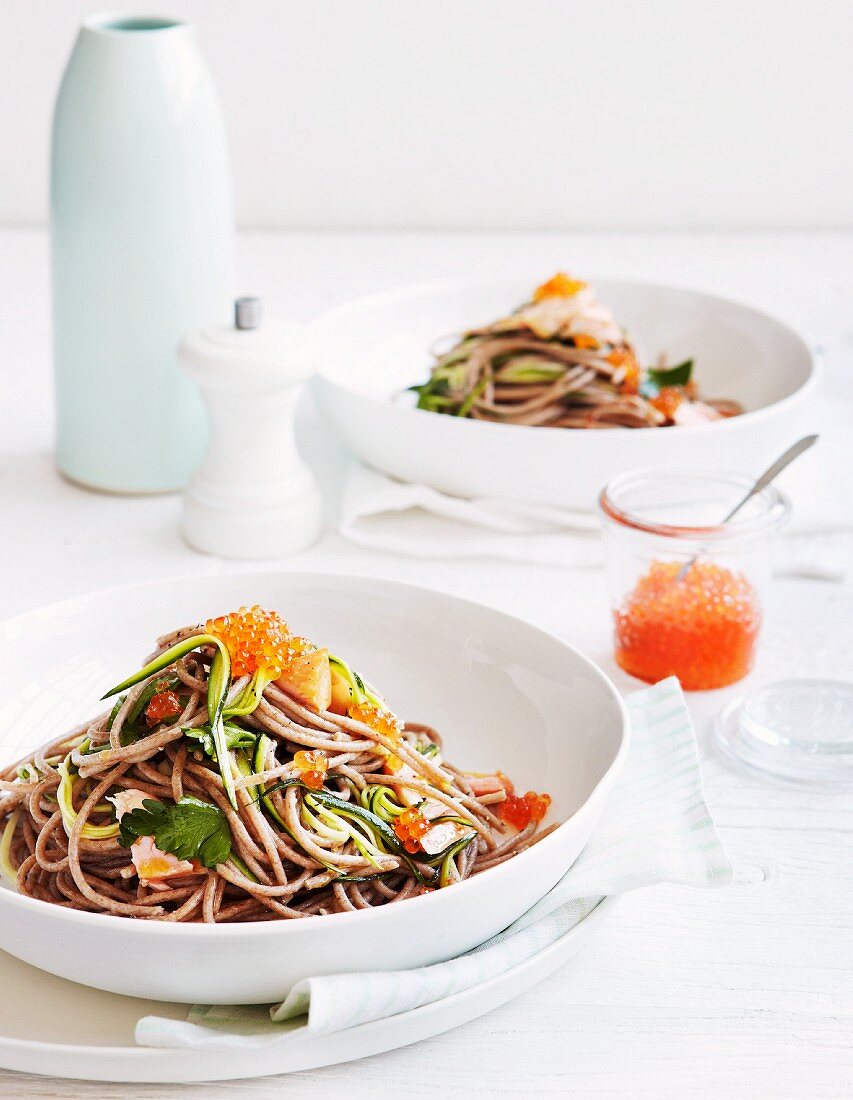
[702, 629]
[560, 286]
[382, 721]
[520, 809]
[667, 401]
[311, 764]
[410, 826]
[258, 641]
[165, 704]
[624, 360]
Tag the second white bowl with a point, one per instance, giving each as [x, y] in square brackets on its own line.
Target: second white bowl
[373, 347]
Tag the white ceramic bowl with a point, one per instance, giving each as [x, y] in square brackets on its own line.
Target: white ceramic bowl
[503, 693]
[372, 348]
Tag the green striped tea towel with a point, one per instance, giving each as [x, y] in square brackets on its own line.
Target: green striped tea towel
[656, 828]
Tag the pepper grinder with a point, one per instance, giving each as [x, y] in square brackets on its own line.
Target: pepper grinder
[252, 496]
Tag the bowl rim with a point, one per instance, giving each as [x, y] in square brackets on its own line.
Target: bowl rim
[9, 896]
[353, 306]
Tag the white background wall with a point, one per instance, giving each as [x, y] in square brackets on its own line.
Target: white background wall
[493, 113]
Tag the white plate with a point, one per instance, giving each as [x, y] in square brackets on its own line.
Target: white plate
[372, 348]
[503, 693]
[59, 1029]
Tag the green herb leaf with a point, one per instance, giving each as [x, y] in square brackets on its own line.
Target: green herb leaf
[432, 402]
[189, 829]
[235, 738]
[678, 375]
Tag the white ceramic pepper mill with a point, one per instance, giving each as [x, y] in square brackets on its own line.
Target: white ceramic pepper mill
[252, 496]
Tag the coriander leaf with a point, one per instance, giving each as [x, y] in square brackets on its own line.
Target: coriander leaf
[678, 375]
[189, 829]
[235, 737]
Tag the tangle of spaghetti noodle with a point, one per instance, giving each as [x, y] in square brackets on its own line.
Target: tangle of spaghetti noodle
[562, 361]
[321, 810]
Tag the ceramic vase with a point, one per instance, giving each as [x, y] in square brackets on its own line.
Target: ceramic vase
[142, 250]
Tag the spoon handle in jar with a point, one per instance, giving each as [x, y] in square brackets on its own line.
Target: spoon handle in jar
[770, 474]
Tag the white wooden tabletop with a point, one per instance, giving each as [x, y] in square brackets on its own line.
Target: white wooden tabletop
[742, 992]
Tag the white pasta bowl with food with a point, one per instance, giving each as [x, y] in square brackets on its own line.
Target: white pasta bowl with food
[516, 383]
[209, 834]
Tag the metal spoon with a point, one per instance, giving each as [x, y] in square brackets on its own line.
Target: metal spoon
[770, 474]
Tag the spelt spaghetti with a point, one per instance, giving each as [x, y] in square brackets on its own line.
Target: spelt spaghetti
[246, 775]
[562, 361]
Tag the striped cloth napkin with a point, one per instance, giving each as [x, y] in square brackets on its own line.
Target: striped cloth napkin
[656, 828]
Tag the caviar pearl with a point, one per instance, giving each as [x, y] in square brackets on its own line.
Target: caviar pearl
[702, 628]
[163, 705]
[409, 827]
[381, 721]
[311, 766]
[258, 641]
[520, 810]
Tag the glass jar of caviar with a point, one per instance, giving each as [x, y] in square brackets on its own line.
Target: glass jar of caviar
[700, 624]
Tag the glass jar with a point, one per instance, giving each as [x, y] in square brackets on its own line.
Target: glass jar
[701, 625]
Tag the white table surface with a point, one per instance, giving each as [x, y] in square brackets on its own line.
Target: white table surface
[742, 992]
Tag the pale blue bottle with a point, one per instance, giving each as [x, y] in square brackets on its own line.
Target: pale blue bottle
[142, 250]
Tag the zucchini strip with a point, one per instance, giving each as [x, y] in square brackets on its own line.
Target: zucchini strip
[468, 403]
[64, 795]
[362, 692]
[386, 833]
[168, 657]
[241, 867]
[387, 836]
[261, 748]
[217, 691]
[363, 878]
[355, 682]
[249, 698]
[348, 809]
[380, 801]
[447, 858]
[353, 829]
[7, 871]
[218, 682]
